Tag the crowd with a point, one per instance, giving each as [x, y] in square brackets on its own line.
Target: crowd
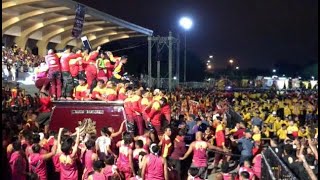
[184, 134]
[15, 60]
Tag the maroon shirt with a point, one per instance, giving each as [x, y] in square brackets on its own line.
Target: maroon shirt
[239, 134]
[179, 148]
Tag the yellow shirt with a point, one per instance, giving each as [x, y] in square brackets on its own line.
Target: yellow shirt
[284, 122]
[270, 119]
[301, 134]
[287, 111]
[291, 129]
[256, 137]
[282, 134]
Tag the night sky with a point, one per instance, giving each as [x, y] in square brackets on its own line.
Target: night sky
[254, 33]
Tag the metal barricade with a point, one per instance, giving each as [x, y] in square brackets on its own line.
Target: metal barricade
[274, 168]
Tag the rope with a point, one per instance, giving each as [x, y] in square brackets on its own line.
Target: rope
[130, 47]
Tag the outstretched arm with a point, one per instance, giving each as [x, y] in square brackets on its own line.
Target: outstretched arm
[59, 140]
[120, 130]
[75, 147]
[188, 152]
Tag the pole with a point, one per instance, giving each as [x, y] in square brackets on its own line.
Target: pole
[149, 61]
[185, 57]
[178, 60]
[158, 64]
[170, 61]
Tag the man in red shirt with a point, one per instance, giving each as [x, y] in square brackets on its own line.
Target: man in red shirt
[179, 149]
[44, 112]
[220, 142]
[67, 80]
[90, 67]
[165, 143]
[54, 73]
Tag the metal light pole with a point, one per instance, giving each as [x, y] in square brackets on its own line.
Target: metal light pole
[185, 58]
[186, 23]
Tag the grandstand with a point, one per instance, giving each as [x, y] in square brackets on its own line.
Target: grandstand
[43, 24]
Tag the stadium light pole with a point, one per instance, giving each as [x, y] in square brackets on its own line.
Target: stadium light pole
[186, 24]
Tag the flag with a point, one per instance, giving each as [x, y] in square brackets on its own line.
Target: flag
[79, 20]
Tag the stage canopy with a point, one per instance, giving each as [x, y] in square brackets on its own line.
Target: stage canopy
[51, 21]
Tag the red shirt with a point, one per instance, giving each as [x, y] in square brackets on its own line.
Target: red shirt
[239, 133]
[179, 148]
[46, 104]
[220, 137]
[75, 64]
[53, 62]
[166, 147]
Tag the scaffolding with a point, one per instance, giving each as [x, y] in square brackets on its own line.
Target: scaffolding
[173, 46]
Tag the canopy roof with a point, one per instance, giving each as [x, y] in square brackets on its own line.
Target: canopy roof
[53, 20]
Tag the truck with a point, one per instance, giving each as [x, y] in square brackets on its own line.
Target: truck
[70, 114]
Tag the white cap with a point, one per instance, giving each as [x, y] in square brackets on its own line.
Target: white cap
[156, 91]
[41, 136]
[274, 113]
[215, 116]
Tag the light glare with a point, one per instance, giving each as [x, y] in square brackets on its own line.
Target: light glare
[186, 23]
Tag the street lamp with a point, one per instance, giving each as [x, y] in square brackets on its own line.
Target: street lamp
[208, 61]
[186, 24]
[209, 66]
[274, 70]
[237, 68]
[210, 56]
[231, 61]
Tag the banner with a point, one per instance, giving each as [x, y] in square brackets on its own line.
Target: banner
[79, 21]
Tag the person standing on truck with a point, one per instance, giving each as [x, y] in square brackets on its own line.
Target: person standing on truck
[67, 82]
[118, 70]
[98, 91]
[90, 66]
[81, 92]
[102, 69]
[110, 94]
[76, 66]
[54, 73]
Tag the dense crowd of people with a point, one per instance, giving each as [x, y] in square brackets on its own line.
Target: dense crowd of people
[183, 134]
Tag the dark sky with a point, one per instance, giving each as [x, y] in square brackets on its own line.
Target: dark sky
[254, 33]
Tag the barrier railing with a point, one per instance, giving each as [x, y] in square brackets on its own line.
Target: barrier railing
[274, 168]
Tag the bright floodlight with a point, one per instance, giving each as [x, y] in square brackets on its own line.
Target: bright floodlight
[208, 61]
[209, 67]
[237, 67]
[186, 23]
[174, 77]
[210, 56]
[231, 61]
[274, 70]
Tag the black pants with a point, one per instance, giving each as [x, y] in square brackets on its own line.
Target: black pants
[177, 165]
[67, 85]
